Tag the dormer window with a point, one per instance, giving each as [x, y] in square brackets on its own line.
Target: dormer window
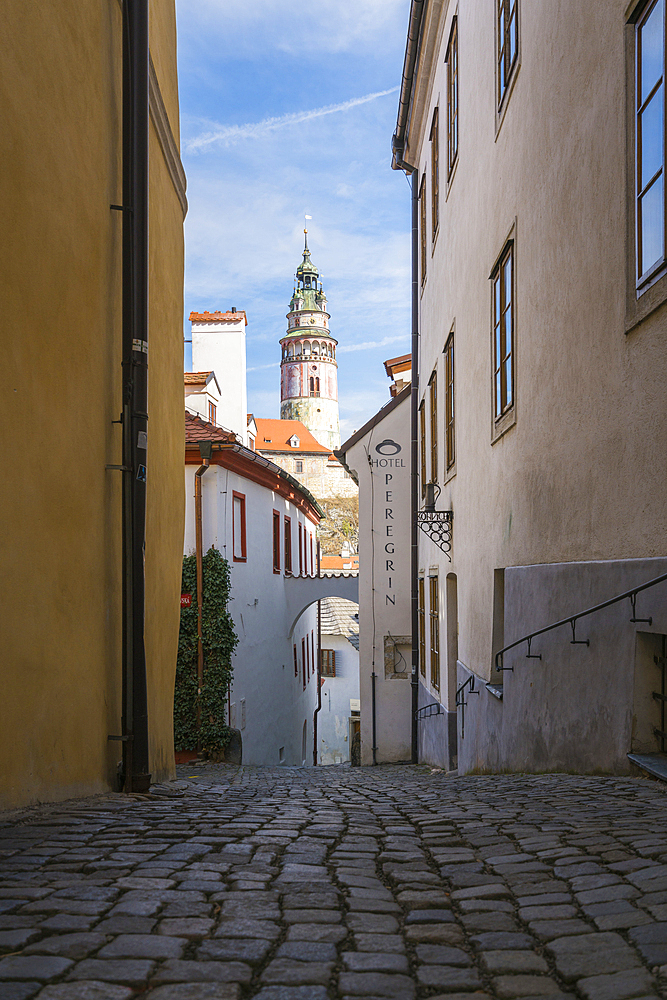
[294, 441]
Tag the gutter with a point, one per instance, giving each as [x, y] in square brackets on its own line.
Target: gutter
[417, 9]
[254, 456]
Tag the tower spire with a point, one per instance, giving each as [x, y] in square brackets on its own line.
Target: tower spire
[309, 379]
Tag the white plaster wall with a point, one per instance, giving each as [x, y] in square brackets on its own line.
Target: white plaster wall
[334, 718]
[384, 576]
[574, 709]
[579, 478]
[276, 705]
[221, 347]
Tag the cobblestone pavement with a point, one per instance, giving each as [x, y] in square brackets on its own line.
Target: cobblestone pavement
[323, 883]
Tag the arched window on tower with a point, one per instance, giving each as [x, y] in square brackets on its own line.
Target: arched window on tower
[306, 349]
[290, 351]
[297, 349]
[317, 386]
[316, 348]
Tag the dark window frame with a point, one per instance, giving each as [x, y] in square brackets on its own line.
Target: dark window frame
[450, 419]
[244, 553]
[422, 445]
[452, 60]
[433, 412]
[212, 412]
[503, 398]
[435, 173]
[434, 621]
[287, 533]
[643, 276]
[328, 662]
[276, 541]
[421, 611]
[422, 227]
[507, 62]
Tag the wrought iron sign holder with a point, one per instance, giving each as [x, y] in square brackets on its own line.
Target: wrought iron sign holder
[436, 524]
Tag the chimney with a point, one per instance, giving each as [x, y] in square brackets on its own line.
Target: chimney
[233, 309]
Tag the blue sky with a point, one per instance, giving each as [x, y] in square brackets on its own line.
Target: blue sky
[288, 109]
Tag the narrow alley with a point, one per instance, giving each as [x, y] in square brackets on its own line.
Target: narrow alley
[315, 884]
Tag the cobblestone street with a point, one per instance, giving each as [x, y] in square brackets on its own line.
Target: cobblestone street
[315, 884]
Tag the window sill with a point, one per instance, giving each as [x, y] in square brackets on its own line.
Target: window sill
[449, 475]
[452, 175]
[239, 558]
[503, 424]
[501, 111]
[639, 308]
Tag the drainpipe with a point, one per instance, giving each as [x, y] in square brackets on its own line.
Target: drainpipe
[135, 390]
[399, 163]
[206, 450]
[414, 478]
[319, 671]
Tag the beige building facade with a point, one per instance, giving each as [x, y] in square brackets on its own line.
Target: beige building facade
[535, 139]
[61, 280]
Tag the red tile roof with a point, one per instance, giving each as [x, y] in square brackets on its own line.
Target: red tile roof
[339, 562]
[215, 317]
[274, 435]
[196, 378]
[197, 429]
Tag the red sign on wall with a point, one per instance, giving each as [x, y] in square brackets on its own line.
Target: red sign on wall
[186, 600]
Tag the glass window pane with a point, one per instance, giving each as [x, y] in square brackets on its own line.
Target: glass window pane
[512, 38]
[508, 380]
[651, 141]
[496, 317]
[508, 280]
[499, 405]
[652, 225]
[652, 41]
[497, 357]
[508, 333]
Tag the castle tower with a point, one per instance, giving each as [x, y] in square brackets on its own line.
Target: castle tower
[308, 370]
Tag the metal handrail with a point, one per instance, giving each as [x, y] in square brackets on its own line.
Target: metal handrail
[572, 620]
[461, 702]
[459, 691]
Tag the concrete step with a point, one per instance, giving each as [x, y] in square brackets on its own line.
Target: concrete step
[654, 764]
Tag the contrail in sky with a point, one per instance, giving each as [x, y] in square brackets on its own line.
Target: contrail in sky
[227, 135]
[369, 344]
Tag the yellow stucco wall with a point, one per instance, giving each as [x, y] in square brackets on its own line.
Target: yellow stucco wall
[60, 281]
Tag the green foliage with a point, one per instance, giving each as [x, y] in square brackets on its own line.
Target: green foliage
[219, 641]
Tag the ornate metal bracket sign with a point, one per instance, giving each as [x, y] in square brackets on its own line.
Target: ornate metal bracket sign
[437, 524]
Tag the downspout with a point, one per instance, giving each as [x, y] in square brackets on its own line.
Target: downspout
[135, 390]
[414, 479]
[200, 588]
[399, 163]
[319, 669]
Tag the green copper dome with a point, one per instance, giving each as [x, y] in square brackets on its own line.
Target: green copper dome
[307, 294]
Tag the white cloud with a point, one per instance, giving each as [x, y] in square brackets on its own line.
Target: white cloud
[261, 368]
[329, 26]
[227, 135]
[371, 344]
